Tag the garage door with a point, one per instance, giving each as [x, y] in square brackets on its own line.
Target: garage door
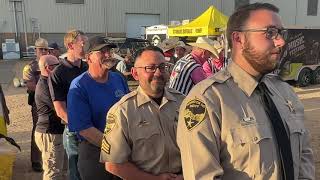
[136, 24]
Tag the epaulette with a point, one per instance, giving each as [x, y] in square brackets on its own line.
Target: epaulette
[273, 76]
[171, 90]
[127, 96]
[219, 77]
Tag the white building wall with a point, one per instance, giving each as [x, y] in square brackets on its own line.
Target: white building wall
[117, 10]
[100, 16]
[293, 12]
[303, 18]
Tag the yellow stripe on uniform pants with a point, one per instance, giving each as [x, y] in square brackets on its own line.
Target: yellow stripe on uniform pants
[3, 126]
[3, 113]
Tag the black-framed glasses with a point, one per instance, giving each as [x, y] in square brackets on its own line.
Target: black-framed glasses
[153, 68]
[271, 32]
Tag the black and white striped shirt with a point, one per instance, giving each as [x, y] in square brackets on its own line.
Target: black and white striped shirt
[180, 78]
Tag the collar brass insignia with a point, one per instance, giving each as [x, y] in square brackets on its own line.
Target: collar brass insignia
[194, 113]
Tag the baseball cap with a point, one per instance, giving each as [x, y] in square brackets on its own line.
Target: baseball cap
[97, 43]
[54, 45]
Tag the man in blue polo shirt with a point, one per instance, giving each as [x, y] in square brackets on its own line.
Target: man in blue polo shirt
[90, 96]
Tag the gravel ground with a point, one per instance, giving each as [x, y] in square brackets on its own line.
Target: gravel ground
[21, 125]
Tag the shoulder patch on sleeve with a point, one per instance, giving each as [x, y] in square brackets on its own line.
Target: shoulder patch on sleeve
[194, 113]
[26, 68]
[111, 123]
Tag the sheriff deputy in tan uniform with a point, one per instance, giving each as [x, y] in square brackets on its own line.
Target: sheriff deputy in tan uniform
[140, 137]
[31, 74]
[225, 129]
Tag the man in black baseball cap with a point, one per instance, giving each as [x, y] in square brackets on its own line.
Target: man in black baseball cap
[54, 49]
[90, 96]
[100, 44]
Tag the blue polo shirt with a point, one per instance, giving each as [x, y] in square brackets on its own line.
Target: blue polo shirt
[89, 101]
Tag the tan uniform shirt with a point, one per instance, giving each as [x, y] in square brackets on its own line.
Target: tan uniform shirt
[140, 131]
[225, 133]
[31, 71]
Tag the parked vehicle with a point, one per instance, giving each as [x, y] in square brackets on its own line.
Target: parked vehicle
[156, 34]
[128, 44]
[300, 60]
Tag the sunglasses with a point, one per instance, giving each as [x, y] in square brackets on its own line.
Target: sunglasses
[42, 49]
[52, 65]
[270, 32]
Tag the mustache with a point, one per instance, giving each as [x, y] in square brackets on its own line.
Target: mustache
[108, 61]
[158, 78]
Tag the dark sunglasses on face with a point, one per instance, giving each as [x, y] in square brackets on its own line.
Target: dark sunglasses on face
[153, 68]
[270, 32]
[43, 49]
[52, 65]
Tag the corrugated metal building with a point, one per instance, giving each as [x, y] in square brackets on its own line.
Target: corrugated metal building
[121, 18]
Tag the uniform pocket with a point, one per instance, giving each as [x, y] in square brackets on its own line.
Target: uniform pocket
[253, 145]
[147, 142]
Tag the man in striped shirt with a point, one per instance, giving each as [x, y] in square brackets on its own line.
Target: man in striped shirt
[188, 70]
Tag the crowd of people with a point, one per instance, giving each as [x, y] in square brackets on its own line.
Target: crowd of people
[191, 116]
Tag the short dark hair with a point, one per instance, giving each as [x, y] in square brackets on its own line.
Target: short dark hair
[139, 52]
[238, 19]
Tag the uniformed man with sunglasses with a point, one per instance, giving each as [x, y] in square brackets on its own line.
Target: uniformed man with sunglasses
[139, 141]
[31, 74]
[243, 123]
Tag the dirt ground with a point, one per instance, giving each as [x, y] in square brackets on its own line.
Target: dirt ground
[21, 125]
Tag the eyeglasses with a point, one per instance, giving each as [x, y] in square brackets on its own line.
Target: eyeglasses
[271, 32]
[153, 68]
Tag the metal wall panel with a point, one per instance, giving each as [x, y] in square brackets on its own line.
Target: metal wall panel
[189, 9]
[6, 17]
[100, 16]
[58, 17]
[117, 10]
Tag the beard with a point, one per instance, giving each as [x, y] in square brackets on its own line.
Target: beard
[159, 84]
[262, 62]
